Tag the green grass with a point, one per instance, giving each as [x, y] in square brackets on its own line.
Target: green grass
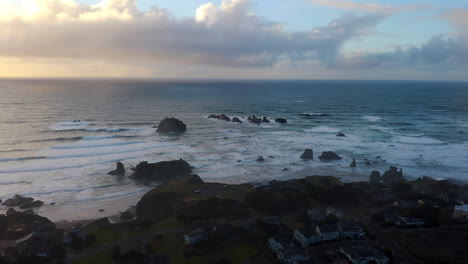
[104, 257]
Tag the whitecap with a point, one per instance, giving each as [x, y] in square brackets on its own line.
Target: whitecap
[323, 129]
[417, 140]
[70, 125]
[372, 118]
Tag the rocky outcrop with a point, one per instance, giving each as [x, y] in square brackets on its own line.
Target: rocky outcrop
[254, 119]
[281, 120]
[156, 205]
[375, 177]
[220, 117]
[236, 120]
[161, 171]
[308, 154]
[260, 159]
[10, 211]
[19, 224]
[329, 156]
[392, 175]
[34, 204]
[120, 170]
[17, 200]
[265, 120]
[195, 180]
[171, 125]
[340, 135]
[353, 164]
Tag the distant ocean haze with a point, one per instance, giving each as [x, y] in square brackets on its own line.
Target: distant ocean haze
[59, 138]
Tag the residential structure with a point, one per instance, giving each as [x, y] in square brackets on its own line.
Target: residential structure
[292, 255]
[328, 232]
[461, 212]
[306, 236]
[74, 234]
[364, 254]
[334, 211]
[279, 242]
[196, 236]
[352, 229]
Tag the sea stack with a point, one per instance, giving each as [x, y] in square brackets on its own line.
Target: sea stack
[171, 125]
[120, 170]
[353, 164]
[329, 156]
[308, 154]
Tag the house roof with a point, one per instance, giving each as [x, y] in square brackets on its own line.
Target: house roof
[282, 239]
[359, 251]
[307, 231]
[329, 228]
[463, 207]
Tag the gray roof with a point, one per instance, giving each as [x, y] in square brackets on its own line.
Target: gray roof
[358, 251]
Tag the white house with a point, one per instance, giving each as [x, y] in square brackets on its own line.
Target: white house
[352, 230]
[196, 236]
[328, 232]
[306, 236]
[461, 212]
[363, 254]
[279, 242]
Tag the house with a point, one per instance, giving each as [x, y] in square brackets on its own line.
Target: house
[363, 254]
[328, 232]
[392, 219]
[333, 211]
[306, 236]
[406, 204]
[316, 216]
[278, 242]
[291, 255]
[461, 212]
[352, 230]
[75, 234]
[412, 221]
[196, 236]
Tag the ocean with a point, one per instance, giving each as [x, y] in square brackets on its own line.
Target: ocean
[421, 127]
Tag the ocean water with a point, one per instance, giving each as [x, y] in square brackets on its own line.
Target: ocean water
[421, 127]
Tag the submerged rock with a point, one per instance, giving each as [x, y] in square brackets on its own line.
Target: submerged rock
[340, 135]
[17, 200]
[353, 164]
[171, 125]
[260, 159]
[308, 154]
[34, 204]
[329, 155]
[281, 120]
[161, 171]
[120, 170]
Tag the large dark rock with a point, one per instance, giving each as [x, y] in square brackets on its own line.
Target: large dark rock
[120, 170]
[156, 205]
[392, 175]
[308, 154]
[353, 164]
[254, 119]
[340, 135]
[375, 177]
[265, 120]
[236, 120]
[220, 117]
[171, 125]
[260, 159]
[195, 180]
[329, 155]
[10, 211]
[281, 120]
[161, 171]
[34, 204]
[17, 200]
[18, 225]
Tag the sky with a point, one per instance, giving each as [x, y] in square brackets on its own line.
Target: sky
[235, 39]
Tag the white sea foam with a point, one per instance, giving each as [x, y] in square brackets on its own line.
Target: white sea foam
[372, 118]
[314, 114]
[70, 125]
[323, 129]
[417, 140]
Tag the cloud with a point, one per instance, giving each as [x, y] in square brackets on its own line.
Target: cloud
[115, 30]
[368, 7]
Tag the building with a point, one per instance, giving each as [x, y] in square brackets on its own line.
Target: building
[291, 255]
[363, 254]
[333, 211]
[75, 234]
[352, 230]
[316, 216]
[196, 236]
[306, 236]
[392, 219]
[461, 212]
[279, 242]
[328, 232]
[412, 221]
